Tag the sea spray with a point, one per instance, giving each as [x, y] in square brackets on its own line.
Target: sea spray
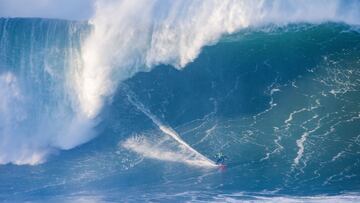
[189, 155]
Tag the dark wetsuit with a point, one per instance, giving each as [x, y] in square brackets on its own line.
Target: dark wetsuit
[220, 159]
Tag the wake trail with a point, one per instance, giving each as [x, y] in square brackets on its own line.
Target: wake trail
[206, 162]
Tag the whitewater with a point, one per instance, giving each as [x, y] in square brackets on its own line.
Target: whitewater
[89, 109]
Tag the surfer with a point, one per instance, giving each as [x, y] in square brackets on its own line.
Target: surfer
[220, 158]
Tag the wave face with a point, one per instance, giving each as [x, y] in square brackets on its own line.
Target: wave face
[282, 103]
[163, 90]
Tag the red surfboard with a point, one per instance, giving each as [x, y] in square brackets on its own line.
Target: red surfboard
[222, 167]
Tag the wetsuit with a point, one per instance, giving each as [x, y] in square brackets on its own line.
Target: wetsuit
[220, 159]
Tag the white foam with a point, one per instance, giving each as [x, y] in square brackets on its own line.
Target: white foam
[292, 115]
[300, 143]
[270, 198]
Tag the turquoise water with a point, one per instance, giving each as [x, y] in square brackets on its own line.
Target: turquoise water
[281, 102]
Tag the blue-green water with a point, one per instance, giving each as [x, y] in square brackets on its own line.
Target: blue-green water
[283, 103]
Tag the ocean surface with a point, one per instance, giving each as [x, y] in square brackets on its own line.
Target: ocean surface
[82, 121]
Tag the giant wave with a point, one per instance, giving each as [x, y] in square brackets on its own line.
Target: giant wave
[84, 67]
[273, 84]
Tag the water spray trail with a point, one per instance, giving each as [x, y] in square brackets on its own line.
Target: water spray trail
[167, 129]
